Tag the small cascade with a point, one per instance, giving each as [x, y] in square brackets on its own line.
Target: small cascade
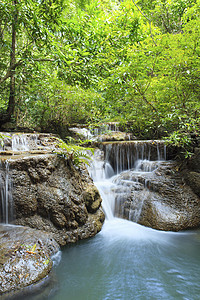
[134, 191]
[101, 172]
[98, 130]
[6, 201]
[33, 141]
[113, 126]
[27, 142]
[83, 132]
[19, 143]
[1, 146]
[145, 165]
[125, 155]
[100, 169]
[105, 128]
[121, 174]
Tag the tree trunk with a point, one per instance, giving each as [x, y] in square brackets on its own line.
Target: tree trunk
[11, 103]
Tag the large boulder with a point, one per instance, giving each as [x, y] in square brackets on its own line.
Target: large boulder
[160, 199]
[52, 195]
[25, 257]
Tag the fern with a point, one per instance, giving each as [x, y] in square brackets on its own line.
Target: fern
[76, 154]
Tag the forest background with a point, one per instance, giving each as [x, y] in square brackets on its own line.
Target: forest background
[89, 62]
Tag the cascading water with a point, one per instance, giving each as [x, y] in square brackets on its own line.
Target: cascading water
[101, 171]
[127, 260]
[6, 201]
[125, 155]
[117, 185]
[103, 129]
[19, 143]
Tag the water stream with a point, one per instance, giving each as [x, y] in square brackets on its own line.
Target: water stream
[126, 260]
[6, 201]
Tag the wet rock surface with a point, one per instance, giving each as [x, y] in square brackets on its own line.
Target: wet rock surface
[31, 142]
[160, 199]
[114, 136]
[50, 194]
[193, 180]
[105, 133]
[25, 257]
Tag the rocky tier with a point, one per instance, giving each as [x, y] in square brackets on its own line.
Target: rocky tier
[160, 199]
[50, 194]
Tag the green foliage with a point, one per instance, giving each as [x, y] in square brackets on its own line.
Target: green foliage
[167, 14]
[51, 101]
[1, 140]
[74, 153]
[183, 137]
[182, 141]
[135, 62]
[178, 139]
[2, 137]
[158, 83]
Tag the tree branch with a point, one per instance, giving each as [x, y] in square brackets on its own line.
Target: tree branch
[9, 71]
[44, 59]
[144, 97]
[19, 63]
[147, 20]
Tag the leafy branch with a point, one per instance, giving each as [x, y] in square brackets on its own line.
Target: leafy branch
[76, 154]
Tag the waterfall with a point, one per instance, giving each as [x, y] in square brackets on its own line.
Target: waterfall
[6, 201]
[113, 126]
[104, 128]
[101, 172]
[19, 143]
[125, 155]
[26, 142]
[118, 173]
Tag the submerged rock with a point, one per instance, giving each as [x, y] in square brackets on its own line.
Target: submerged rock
[25, 257]
[50, 194]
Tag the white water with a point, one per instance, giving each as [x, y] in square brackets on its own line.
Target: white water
[126, 155]
[6, 201]
[19, 143]
[105, 128]
[113, 186]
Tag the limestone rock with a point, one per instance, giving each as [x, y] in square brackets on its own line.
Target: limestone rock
[159, 199]
[193, 180]
[92, 198]
[50, 194]
[114, 136]
[25, 257]
[191, 171]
